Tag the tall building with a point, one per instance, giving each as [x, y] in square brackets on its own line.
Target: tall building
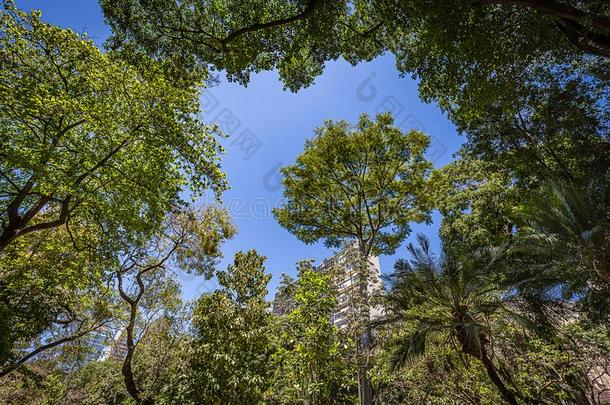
[116, 348]
[347, 286]
[106, 342]
[97, 342]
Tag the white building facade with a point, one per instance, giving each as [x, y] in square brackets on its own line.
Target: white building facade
[347, 284]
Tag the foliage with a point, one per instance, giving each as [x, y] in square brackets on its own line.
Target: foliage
[458, 303]
[283, 302]
[439, 376]
[571, 225]
[298, 37]
[99, 150]
[541, 134]
[42, 385]
[506, 65]
[241, 38]
[45, 284]
[309, 365]
[98, 383]
[51, 295]
[477, 199]
[547, 372]
[227, 359]
[564, 244]
[154, 362]
[87, 137]
[189, 240]
[365, 181]
[451, 297]
[159, 352]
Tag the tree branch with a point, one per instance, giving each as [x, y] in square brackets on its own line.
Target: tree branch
[312, 5]
[555, 9]
[63, 217]
[47, 346]
[572, 22]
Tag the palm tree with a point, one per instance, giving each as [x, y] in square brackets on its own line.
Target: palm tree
[450, 297]
[564, 245]
[569, 225]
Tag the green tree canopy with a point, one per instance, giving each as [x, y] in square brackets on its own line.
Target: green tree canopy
[50, 293]
[227, 360]
[87, 137]
[527, 81]
[298, 37]
[309, 365]
[241, 38]
[283, 301]
[478, 200]
[365, 182]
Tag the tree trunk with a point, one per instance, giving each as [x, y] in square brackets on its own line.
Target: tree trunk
[8, 235]
[507, 393]
[127, 372]
[365, 387]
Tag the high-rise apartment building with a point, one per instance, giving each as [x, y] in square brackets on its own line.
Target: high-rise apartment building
[106, 342]
[343, 266]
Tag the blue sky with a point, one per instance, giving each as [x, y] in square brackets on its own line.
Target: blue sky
[268, 127]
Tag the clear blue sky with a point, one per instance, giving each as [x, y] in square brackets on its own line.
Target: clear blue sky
[268, 128]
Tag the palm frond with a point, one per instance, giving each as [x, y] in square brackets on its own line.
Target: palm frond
[409, 348]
